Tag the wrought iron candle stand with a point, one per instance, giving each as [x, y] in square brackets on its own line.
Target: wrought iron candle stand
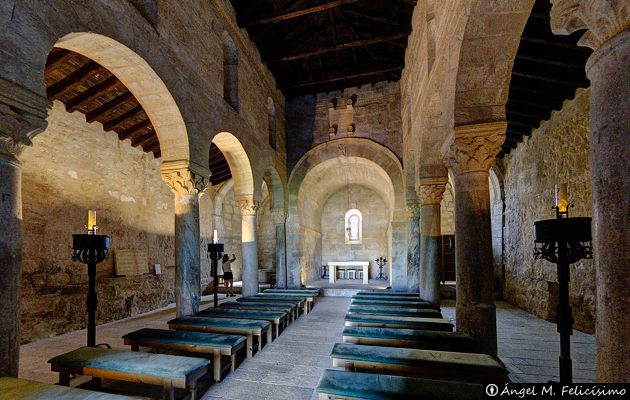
[563, 241]
[381, 261]
[215, 250]
[90, 249]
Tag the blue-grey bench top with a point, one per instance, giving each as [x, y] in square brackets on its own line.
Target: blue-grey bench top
[387, 292]
[417, 357]
[186, 337]
[389, 296]
[283, 297]
[407, 334]
[230, 323]
[387, 303]
[256, 305]
[394, 319]
[271, 300]
[310, 292]
[366, 386]
[243, 313]
[159, 365]
[406, 312]
[380, 299]
[22, 389]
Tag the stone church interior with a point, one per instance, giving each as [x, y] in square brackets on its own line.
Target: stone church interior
[312, 199]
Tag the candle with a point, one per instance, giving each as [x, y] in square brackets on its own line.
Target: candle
[215, 237]
[91, 220]
[562, 201]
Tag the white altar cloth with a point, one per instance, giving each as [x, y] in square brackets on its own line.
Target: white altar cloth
[332, 269]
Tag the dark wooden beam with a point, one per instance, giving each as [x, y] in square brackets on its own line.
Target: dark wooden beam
[531, 115]
[530, 92]
[145, 139]
[298, 13]
[526, 125]
[122, 118]
[547, 79]
[556, 43]
[134, 129]
[376, 18]
[342, 77]
[71, 81]
[549, 61]
[60, 58]
[220, 170]
[93, 115]
[155, 146]
[92, 93]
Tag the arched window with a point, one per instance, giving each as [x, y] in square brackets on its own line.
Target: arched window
[354, 226]
[230, 71]
[271, 113]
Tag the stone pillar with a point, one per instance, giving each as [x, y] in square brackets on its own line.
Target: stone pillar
[186, 185]
[430, 192]
[279, 218]
[413, 247]
[470, 154]
[608, 34]
[398, 258]
[249, 207]
[22, 116]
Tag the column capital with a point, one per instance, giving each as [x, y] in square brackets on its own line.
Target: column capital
[184, 178]
[248, 205]
[22, 116]
[279, 216]
[474, 147]
[430, 190]
[413, 208]
[603, 19]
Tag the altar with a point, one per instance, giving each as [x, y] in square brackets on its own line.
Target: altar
[332, 269]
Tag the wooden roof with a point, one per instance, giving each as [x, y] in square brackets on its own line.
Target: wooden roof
[314, 46]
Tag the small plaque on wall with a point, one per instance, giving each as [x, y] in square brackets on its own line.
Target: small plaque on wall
[129, 262]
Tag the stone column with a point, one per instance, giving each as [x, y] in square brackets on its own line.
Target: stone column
[398, 258]
[608, 34]
[470, 153]
[279, 218]
[22, 116]
[413, 247]
[186, 185]
[430, 192]
[249, 207]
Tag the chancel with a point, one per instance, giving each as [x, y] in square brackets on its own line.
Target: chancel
[416, 197]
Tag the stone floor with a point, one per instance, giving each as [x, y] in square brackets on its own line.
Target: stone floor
[290, 367]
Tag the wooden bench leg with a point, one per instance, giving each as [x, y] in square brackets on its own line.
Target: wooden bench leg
[250, 345]
[232, 362]
[193, 390]
[216, 360]
[135, 347]
[259, 337]
[168, 391]
[277, 330]
[269, 335]
[64, 377]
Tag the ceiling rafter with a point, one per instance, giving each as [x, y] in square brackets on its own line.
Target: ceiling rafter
[298, 13]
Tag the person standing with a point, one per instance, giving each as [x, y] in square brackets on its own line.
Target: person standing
[228, 277]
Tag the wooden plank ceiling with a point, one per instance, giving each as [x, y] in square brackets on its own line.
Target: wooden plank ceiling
[547, 70]
[85, 86]
[314, 46]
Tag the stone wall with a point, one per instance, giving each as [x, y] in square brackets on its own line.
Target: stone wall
[72, 167]
[266, 234]
[556, 152]
[375, 224]
[230, 233]
[376, 111]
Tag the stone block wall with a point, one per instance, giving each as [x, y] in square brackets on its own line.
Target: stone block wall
[72, 167]
[266, 235]
[375, 224]
[556, 152]
[230, 233]
[377, 115]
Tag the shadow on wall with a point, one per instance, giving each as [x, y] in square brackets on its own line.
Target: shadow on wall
[300, 127]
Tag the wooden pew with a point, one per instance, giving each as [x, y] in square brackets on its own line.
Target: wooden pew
[313, 292]
[394, 304]
[385, 321]
[467, 367]
[380, 292]
[308, 300]
[381, 297]
[168, 371]
[403, 312]
[335, 384]
[22, 389]
[411, 338]
[289, 309]
[214, 344]
[277, 318]
[247, 327]
[298, 303]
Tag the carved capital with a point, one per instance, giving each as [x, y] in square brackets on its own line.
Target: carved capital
[430, 190]
[248, 206]
[22, 116]
[182, 179]
[278, 216]
[474, 147]
[413, 209]
[603, 19]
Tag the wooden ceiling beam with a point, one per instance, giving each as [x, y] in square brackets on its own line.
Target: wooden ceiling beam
[220, 170]
[549, 61]
[542, 78]
[60, 58]
[342, 77]
[71, 81]
[122, 118]
[92, 93]
[134, 129]
[95, 114]
[376, 18]
[556, 41]
[298, 13]
[145, 139]
[155, 146]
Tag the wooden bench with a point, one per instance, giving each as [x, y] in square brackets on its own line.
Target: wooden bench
[411, 338]
[380, 292]
[289, 309]
[312, 292]
[247, 327]
[165, 370]
[403, 312]
[335, 384]
[297, 304]
[468, 367]
[394, 304]
[22, 389]
[306, 301]
[381, 297]
[214, 344]
[385, 321]
[277, 318]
